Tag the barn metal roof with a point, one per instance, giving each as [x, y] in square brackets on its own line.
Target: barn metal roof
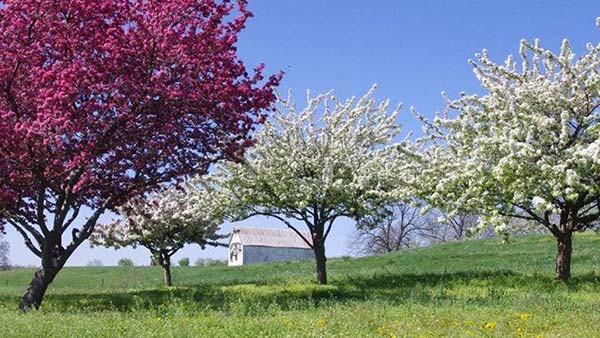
[281, 238]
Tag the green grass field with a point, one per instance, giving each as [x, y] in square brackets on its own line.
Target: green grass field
[478, 288]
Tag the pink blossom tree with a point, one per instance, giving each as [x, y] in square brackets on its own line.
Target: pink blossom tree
[101, 101]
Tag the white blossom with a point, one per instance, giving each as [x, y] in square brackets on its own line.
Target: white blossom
[165, 221]
[528, 148]
[331, 159]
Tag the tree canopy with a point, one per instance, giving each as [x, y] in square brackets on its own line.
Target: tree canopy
[329, 160]
[102, 101]
[164, 222]
[528, 148]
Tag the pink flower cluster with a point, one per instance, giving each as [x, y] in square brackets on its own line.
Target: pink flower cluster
[102, 100]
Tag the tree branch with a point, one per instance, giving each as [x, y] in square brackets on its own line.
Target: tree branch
[25, 224]
[330, 220]
[40, 217]
[71, 219]
[28, 242]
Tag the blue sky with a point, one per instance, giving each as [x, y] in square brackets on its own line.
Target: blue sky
[413, 50]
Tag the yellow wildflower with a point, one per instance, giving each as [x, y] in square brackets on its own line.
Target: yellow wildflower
[489, 325]
[524, 316]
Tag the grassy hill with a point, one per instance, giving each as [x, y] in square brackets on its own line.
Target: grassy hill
[474, 288]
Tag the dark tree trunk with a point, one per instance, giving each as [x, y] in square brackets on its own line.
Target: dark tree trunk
[54, 257]
[37, 288]
[319, 249]
[163, 258]
[51, 251]
[563, 258]
[168, 281]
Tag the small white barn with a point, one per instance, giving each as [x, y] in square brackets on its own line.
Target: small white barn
[257, 245]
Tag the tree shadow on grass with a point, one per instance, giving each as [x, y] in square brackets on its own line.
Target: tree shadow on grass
[467, 288]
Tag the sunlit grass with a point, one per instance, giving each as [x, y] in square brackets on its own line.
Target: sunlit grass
[475, 288]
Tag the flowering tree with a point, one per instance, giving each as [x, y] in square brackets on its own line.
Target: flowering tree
[315, 166]
[104, 100]
[163, 223]
[529, 148]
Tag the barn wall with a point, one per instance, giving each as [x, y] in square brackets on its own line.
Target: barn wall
[259, 254]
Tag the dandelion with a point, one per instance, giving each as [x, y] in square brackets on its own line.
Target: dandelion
[321, 322]
[524, 316]
[489, 326]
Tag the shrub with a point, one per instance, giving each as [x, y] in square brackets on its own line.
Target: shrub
[125, 262]
[184, 262]
[208, 262]
[95, 262]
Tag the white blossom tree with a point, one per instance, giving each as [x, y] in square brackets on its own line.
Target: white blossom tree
[313, 166]
[164, 222]
[529, 148]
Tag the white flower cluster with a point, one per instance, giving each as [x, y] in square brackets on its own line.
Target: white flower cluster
[529, 147]
[165, 220]
[333, 154]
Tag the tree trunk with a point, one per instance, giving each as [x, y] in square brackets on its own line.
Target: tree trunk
[319, 249]
[163, 258]
[168, 281]
[53, 254]
[563, 258]
[37, 288]
[53, 260]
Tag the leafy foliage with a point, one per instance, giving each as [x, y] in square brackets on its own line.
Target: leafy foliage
[184, 262]
[125, 262]
[209, 262]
